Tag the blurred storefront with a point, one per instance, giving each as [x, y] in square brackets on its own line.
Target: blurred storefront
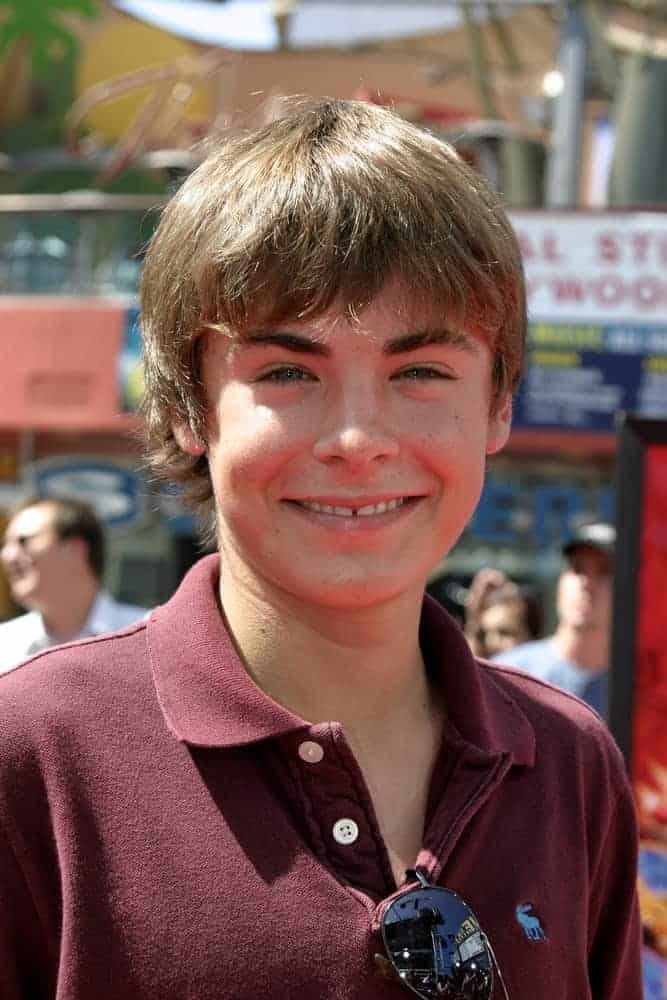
[597, 298]
[70, 378]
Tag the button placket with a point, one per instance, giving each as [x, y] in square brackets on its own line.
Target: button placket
[336, 799]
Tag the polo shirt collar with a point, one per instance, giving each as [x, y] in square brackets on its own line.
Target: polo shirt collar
[479, 707]
[209, 699]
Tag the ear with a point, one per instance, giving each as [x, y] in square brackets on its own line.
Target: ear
[500, 423]
[80, 544]
[187, 440]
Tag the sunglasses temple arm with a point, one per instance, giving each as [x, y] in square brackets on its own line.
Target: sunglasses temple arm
[492, 953]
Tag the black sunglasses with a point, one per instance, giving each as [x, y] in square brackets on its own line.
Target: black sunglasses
[436, 946]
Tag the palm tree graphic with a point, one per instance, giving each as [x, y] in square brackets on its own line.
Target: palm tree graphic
[36, 26]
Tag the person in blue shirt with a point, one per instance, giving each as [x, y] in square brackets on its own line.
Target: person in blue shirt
[576, 656]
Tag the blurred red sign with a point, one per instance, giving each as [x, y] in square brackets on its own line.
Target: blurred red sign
[58, 363]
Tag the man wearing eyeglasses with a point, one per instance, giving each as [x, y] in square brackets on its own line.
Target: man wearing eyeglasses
[53, 556]
[295, 781]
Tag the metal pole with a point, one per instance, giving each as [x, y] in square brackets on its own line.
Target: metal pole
[564, 163]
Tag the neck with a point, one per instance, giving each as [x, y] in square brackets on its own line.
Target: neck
[64, 620]
[587, 647]
[360, 667]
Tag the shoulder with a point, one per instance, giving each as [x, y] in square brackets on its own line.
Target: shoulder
[68, 714]
[568, 732]
[67, 717]
[71, 684]
[16, 637]
[541, 700]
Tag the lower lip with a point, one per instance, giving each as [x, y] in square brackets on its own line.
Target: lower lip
[354, 522]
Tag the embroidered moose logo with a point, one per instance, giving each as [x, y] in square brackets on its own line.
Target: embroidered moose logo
[530, 923]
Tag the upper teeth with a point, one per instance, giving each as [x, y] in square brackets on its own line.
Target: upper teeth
[371, 508]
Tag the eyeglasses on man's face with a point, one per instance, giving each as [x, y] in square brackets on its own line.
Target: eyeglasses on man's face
[436, 946]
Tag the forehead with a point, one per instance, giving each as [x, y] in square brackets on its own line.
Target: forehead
[395, 312]
[30, 520]
[589, 558]
[396, 300]
[508, 611]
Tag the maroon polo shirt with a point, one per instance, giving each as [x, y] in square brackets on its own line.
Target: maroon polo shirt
[169, 832]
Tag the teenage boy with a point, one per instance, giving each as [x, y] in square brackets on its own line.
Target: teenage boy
[295, 781]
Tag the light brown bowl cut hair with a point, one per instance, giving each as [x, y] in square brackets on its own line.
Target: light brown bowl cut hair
[320, 208]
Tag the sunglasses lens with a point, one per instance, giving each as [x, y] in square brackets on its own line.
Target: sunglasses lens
[437, 947]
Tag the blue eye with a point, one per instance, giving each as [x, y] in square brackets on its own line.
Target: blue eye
[421, 374]
[287, 373]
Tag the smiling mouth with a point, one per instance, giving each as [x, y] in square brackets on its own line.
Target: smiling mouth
[369, 510]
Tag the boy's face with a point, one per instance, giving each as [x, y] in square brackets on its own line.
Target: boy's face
[346, 459]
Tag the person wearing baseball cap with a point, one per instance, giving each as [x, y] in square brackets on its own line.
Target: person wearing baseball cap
[598, 535]
[576, 656]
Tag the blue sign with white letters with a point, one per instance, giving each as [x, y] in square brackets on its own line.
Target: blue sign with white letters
[117, 493]
[536, 515]
[579, 376]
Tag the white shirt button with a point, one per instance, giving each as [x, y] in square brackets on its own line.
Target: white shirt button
[345, 831]
[311, 752]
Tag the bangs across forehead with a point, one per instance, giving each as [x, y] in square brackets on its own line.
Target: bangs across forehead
[417, 321]
[278, 289]
[293, 306]
[317, 229]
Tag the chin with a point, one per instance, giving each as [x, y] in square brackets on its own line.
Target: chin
[24, 594]
[25, 603]
[355, 594]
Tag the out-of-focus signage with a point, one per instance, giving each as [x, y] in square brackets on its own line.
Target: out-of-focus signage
[130, 365]
[57, 363]
[8, 464]
[638, 701]
[115, 491]
[535, 510]
[597, 300]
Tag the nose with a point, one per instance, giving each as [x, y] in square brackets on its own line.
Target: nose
[9, 550]
[356, 430]
[8, 557]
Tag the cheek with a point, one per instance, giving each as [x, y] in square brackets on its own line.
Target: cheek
[249, 446]
[455, 430]
[40, 560]
[563, 591]
[436, 440]
[454, 456]
[569, 589]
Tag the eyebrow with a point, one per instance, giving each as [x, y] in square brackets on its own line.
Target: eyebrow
[427, 338]
[289, 341]
[300, 344]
